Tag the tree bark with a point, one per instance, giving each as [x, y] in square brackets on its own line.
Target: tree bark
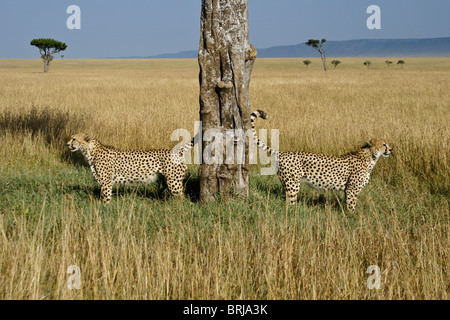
[226, 61]
[324, 62]
[47, 57]
[324, 57]
[46, 65]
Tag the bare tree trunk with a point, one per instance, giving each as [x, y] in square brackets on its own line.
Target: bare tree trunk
[323, 55]
[46, 65]
[47, 57]
[324, 62]
[226, 60]
[324, 58]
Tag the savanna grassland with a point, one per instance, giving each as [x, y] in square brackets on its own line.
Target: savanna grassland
[148, 245]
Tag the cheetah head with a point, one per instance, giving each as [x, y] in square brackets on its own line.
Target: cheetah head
[78, 141]
[379, 148]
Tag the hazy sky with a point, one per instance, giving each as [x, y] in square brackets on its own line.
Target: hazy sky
[116, 28]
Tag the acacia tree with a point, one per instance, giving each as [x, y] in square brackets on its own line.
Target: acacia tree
[318, 45]
[226, 61]
[388, 62]
[367, 63]
[401, 63]
[47, 48]
[335, 63]
[307, 63]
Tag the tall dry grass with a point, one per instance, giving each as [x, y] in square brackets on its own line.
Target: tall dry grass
[146, 245]
[213, 253]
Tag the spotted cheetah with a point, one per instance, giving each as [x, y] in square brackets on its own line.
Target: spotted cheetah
[350, 172]
[112, 166]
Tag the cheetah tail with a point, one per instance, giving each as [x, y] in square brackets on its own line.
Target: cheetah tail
[261, 145]
[187, 147]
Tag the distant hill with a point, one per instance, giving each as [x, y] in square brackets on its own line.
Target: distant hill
[179, 55]
[435, 47]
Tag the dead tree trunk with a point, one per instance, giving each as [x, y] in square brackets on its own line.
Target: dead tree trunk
[226, 60]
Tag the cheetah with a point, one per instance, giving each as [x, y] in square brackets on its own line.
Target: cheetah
[349, 173]
[112, 166]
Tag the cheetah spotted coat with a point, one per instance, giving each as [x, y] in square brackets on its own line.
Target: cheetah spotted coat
[350, 172]
[112, 166]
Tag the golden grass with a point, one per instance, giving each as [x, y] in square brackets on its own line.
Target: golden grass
[140, 247]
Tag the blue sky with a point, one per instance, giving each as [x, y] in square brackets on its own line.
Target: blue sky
[117, 28]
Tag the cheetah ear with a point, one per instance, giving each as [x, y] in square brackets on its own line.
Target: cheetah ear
[368, 144]
[86, 137]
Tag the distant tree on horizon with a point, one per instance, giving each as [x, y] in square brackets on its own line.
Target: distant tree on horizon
[388, 62]
[367, 63]
[318, 45]
[335, 63]
[401, 63]
[47, 48]
[307, 63]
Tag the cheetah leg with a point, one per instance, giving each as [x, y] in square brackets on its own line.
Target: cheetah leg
[351, 198]
[106, 192]
[175, 186]
[292, 189]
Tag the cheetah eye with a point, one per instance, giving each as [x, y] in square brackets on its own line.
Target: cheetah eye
[384, 145]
